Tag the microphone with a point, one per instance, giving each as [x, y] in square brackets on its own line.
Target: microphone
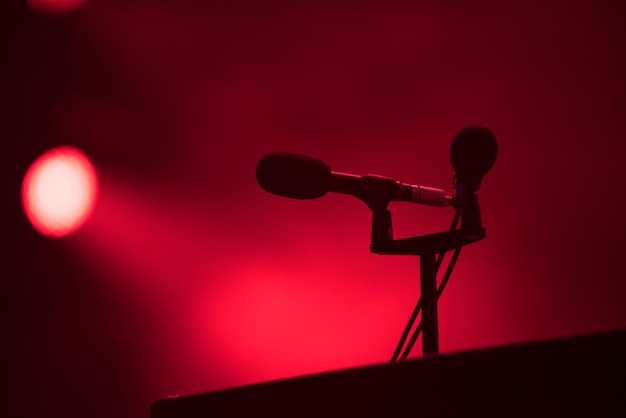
[472, 154]
[303, 177]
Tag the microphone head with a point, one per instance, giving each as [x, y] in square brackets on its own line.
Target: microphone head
[472, 154]
[293, 175]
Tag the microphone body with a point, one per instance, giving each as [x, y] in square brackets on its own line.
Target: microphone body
[302, 177]
[385, 188]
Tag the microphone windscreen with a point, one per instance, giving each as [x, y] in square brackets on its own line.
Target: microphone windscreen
[293, 175]
[472, 154]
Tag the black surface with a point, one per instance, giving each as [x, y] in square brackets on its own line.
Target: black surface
[579, 376]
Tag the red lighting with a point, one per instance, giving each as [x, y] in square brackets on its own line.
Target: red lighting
[59, 191]
[54, 7]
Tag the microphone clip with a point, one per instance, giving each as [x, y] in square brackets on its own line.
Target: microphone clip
[466, 201]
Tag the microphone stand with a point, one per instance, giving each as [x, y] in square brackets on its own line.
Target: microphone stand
[426, 247]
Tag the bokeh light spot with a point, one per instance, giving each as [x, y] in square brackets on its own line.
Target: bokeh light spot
[59, 191]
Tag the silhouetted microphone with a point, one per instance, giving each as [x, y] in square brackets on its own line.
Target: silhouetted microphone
[302, 177]
[472, 154]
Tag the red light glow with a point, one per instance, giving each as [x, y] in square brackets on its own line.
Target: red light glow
[54, 7]
[59, 191]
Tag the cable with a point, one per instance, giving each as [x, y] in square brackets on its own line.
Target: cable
[442, 286]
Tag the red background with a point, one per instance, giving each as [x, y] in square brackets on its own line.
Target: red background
[190, 278]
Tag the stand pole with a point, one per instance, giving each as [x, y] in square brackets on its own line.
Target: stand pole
[428, 285]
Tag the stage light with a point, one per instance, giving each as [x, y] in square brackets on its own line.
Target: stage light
[59, 191]
[54, 7]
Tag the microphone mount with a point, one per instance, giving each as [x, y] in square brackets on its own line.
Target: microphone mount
[426, 247]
